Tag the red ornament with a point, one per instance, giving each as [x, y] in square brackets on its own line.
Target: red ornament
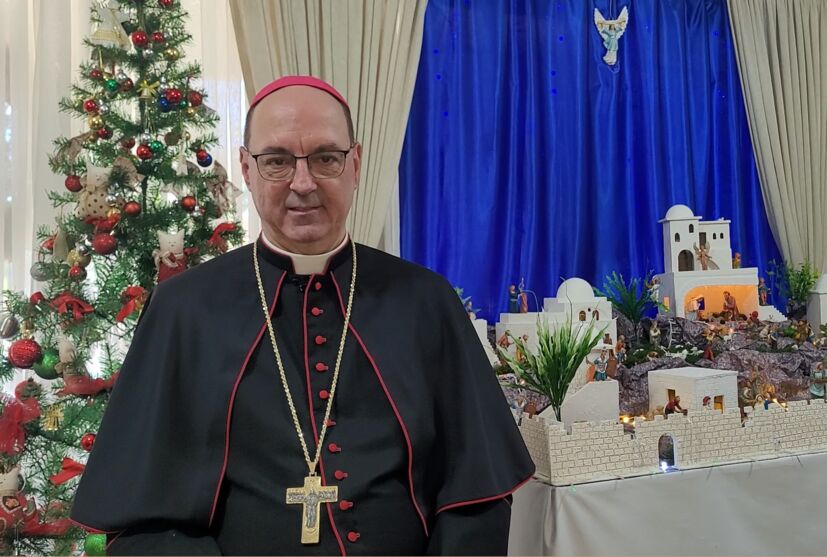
[166, 3]
[104, 243]
[144, 152]
[77, 272]
[195, 98]
[72, 183]
[127, 143]
[36, 298]
[95, 73]
[201, 155]
[174, 95]
[132, 208]
[158, 37]
[90, 105]
[87, 441]
[139, 38]
[48, 244]
[24, 353]
[188, 203]
[127, 85]
[105, 133]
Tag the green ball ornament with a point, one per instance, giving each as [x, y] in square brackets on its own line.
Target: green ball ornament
[45, 368]
[156, 146]
[183, 105]
[95, 544]
[112, 85]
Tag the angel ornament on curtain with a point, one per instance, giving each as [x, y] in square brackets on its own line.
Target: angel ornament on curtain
[611, 30]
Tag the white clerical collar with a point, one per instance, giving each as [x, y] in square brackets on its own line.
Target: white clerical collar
[306, 264]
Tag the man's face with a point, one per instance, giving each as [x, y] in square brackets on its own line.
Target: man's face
[304, 214]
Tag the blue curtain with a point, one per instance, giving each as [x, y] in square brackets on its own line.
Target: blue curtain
[528, 156]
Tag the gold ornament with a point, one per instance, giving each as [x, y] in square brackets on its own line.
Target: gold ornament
[190, 111]
[172, 54]
[75, 258]
[147, 89]
[95, 122]
[53, 418]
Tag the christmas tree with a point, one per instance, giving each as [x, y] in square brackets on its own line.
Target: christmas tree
[138, 210]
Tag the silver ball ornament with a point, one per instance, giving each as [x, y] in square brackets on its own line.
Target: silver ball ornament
[103, 108]
[9, 326]
[121, 76]
[39, 271]
[145, 138]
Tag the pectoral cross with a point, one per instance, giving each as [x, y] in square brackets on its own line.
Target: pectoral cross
[311, 496]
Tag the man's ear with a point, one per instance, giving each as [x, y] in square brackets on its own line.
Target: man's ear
[357, 162]
[244, 160]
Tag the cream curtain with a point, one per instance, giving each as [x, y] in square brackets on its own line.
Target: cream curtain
[782, 58]
[369, 50]
[41, 48]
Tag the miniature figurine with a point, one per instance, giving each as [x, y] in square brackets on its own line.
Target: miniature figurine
[620, 349]
[523, 295]
[817, 380]
[736, 260]
[702, 253]
[709, 335]
[513, 300]
[600, 364]
[674, 405]
[653, 288]
[654, 334]
[607, 338]
[763, 293]
[730, 309]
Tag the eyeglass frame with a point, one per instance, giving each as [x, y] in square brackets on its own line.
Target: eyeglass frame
[345, 152]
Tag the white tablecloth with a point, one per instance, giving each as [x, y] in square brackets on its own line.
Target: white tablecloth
[768, 507]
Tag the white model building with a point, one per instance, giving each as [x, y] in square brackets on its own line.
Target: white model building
[575, 303]
[693, 384]
[685, 284]
[817, 305]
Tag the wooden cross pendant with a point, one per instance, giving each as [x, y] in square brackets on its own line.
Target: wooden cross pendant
[311, 496]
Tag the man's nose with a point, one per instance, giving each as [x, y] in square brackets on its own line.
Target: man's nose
[303, 182]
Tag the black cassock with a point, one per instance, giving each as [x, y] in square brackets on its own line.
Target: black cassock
[197, 446]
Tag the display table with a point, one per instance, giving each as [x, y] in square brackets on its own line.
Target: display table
[765, 507]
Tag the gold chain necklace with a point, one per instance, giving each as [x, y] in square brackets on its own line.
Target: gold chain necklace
[313, 493]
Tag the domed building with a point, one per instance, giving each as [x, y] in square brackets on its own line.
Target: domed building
[697, 258]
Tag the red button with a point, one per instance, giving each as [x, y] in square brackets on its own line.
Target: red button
[330, 423]
[318, 285]
[316, 311]
[344, 505]
[334, 448]
[339, 475]
[321, 367]
[320, 339]
[324, 395]
[353, 536]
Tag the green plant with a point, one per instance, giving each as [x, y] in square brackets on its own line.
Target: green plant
[630, 299]
[793, 283]
[560, 351]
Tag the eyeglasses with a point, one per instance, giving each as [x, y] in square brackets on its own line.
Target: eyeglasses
[282, 166]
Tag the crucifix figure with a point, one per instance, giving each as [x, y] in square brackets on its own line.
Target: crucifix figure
[311, 496]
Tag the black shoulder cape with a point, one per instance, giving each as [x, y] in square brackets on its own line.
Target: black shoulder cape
[160, 454]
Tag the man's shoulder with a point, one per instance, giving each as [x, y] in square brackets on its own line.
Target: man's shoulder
[385, 267]
[213, 274]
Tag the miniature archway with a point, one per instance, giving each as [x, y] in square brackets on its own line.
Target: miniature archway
[686, 261]
[667, 452]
